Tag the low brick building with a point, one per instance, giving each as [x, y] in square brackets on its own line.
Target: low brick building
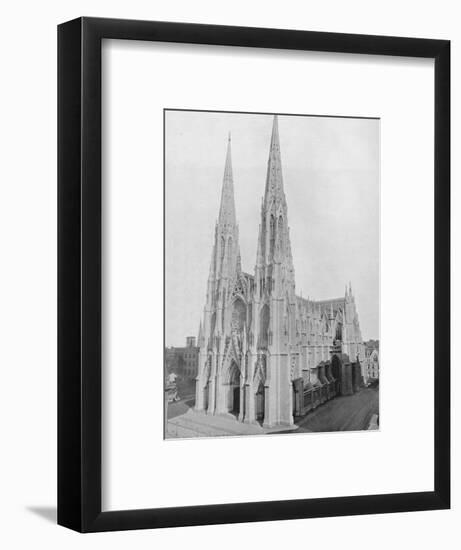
[183, 360]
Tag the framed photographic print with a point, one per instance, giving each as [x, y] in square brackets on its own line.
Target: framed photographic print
[254, 274]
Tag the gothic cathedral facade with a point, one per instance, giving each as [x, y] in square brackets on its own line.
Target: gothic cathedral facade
[265, 351]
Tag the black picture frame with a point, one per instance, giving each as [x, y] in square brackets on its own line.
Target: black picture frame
[79, 274]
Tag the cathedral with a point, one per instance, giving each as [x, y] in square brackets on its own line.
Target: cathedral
[267, 355]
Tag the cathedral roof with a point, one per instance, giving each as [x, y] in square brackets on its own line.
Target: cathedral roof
[322, 306]
[325, 305]
[329, 301]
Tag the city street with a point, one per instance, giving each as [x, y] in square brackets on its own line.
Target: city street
[346, 413]
[186, 392]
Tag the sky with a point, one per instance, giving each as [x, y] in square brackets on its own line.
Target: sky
[331, 174]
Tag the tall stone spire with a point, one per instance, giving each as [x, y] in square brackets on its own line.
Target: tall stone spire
[227, 208]
[275, 292]
[225, 256]
[225, 270]
[274, 238]
[274, 179]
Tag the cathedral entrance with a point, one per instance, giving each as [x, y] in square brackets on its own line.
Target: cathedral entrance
[233, 395]
[236, 403]
[260, 403]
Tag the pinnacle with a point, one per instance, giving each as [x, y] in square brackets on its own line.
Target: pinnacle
[275, 133]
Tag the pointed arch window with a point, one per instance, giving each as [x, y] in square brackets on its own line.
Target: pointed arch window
[223, 246]
[280, 232]
[223, 317]
[287, 318]
[272, 235]
[229, 250]
[339, 332]
[264, 326]
[239, 314]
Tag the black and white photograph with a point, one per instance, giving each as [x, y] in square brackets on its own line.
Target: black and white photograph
[229, 300]
[272, 274]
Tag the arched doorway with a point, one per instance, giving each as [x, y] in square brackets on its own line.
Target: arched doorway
[233, 395]
[260, 403]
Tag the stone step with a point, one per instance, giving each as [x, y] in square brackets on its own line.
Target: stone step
[200, 428]
[213, 425]
[200, 424]
[184, 431]
[225, 422]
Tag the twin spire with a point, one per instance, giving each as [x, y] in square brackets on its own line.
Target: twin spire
[274, 198]
[274, 179]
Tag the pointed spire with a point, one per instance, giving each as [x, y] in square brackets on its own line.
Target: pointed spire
[227, 208]
[200, 334]
[274, 250]
[274, 180]
[275, 132]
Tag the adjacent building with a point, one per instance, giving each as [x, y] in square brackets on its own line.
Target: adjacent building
[266, 354]
[183, 360]
[372, 359]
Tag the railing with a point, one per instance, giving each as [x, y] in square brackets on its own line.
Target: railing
[313, 396]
